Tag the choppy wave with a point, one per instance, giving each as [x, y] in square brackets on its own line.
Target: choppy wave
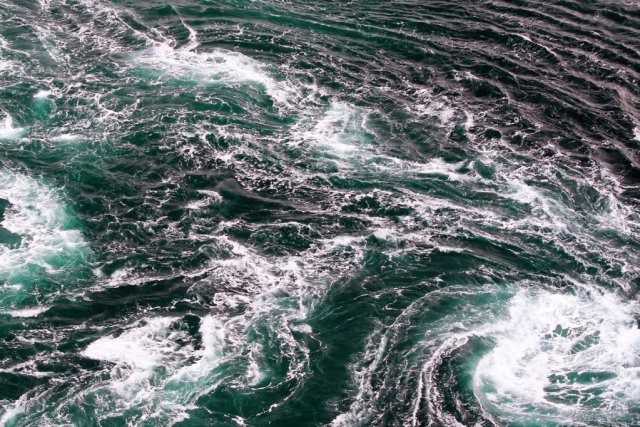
[248, 213]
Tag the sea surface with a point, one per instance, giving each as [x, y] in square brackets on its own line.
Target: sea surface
[319, 213]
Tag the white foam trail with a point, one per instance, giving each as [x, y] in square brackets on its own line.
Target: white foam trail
[571, 357]
[377, 365]
[28, 312]
[552, 216]
[218, 66]
[373, 355]
[7, 131]
[38, 215]
[617, 216]
[210, 193]
[525, 193]
[48, 42]
[274, 294]
[636, 133]
[193, 34]
[135, 353]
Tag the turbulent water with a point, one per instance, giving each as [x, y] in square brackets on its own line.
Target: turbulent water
[300, 213]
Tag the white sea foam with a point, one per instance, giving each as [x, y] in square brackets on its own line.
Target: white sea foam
[13, 410]
[440, 167]
[572, 357]
[276, 294]
[50, 44]
[4, 63]
[37, 214]
[149, 344]
[42, 94]
[210, 198]
[428, 105]
[66, 137]
[213, 333]
[28, 312]
[527, 38]
[135, 354]
[341, 129]
[546, 212]
[344, 130]
[211, 193]
[217, 66]
[8, 131]
[363, 372]
[199, 204]
[469, 120]
[155, 366]
[525, 193]
[636, 133]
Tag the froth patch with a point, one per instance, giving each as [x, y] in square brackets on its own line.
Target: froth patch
[8, 414]
[570, 357]
[210, 197]
[430, 107]
[157, 369]
[148, 344]
[66, 137]
[346, 132]
[36, 214]
[28, 312]
[8, 131]
[218, 66]
[42, 94]
[341, 129]
[213, 334]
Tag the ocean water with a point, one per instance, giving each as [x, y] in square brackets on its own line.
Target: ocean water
[293, 213]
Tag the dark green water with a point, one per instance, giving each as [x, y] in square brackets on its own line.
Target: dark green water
[299, 213]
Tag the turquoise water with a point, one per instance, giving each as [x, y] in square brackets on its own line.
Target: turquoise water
[361, 213]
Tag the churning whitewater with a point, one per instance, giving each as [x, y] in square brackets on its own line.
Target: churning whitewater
[365, 213]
